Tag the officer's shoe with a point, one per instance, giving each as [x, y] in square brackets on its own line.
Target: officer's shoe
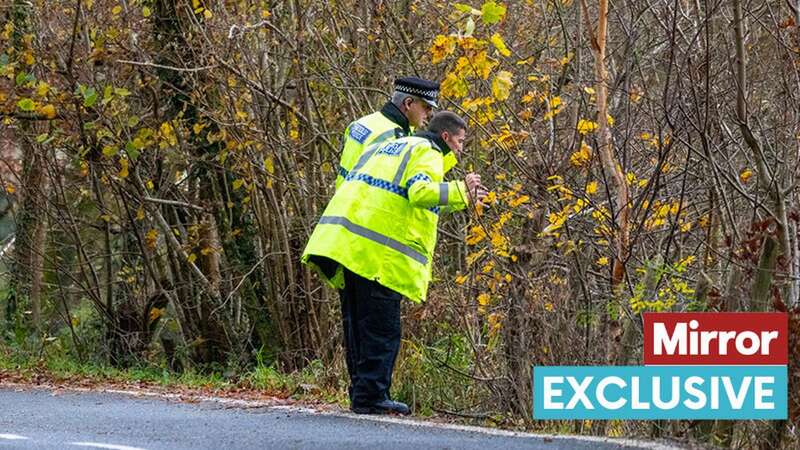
[383, 407]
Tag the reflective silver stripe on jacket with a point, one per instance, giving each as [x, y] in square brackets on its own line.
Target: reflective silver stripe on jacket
[398, 176]
[375, 237]
[444, 193]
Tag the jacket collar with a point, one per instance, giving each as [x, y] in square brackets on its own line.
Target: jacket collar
[393, 113]
[437, 141]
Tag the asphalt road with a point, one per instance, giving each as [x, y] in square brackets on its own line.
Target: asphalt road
[40, 419]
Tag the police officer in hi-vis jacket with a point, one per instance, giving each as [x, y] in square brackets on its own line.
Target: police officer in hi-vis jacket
[375, 243]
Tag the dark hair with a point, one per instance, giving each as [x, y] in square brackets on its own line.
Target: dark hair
[446, 121]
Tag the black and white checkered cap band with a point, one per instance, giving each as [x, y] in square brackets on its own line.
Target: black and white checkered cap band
[433, 93]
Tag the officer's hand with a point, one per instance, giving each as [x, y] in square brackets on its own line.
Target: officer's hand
[476, 191]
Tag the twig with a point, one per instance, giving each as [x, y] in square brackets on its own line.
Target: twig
[173, 203]
[161, 66]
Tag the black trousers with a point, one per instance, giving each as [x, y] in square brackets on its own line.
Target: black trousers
[371, 322]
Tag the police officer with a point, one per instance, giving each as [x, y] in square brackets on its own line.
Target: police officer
[409, 108]
[375, 243]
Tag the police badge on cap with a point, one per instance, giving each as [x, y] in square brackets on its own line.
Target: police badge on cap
[424, 89]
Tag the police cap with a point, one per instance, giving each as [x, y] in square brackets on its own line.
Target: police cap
[428, 91]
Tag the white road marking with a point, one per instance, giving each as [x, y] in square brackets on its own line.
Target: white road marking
[108, 446]
[12, 437]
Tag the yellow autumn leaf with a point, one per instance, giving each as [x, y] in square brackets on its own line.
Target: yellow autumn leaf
[519, 200]
[498, 240]
[207, 14]
[150, 185]
[116, 10]
[140, 213]
[461, 279]
[155, 313]
[528, 98]
[483, 299]
[500, 45]
[472, 257]
[454, 86]
[591, 188]
[555, 102]
[501, 85]
[586, 126]
[123, 171]
[579, 205]
[745, 175]
[42, 89]
[476, 234]
[10, 188]
[191, 258]
[151, 238]
[582, 157]
[237, 184]
[269, 165]
[676, 206]
[48, 111]
[442, 47]
[704, 221]
[602, 261]
[146, 11]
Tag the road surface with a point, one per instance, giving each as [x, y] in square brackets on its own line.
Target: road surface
[42, 419]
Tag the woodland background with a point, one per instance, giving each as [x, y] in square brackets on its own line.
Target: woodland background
[163, 163]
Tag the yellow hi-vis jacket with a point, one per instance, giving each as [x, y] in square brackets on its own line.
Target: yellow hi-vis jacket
[381, 223]
[381, 126]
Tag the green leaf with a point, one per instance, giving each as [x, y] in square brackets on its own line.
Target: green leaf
[122, 92]
[41, 138]
[110, 150]
[108, 92]
[133, 152]
[466, 9]
[133, 121]
[89, 97]
[26, 104]
[492, 12]
[23, 78]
